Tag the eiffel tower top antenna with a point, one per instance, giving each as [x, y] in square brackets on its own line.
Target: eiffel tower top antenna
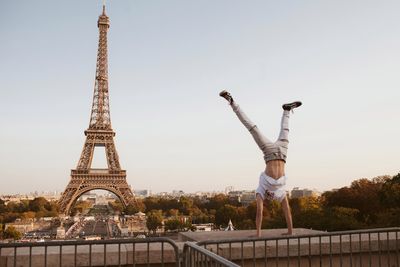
[100, 114]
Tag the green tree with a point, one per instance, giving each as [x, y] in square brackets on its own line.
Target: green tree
[186, 205]
[307, 212]
[52, 206]
[340, 218]
[173, 224]
[80, 206]
[8, 217]
[200, 216]
[388, 218]
[173, 212]
[3, 207]
[363, 195]
[251, 210]
[217, 202]
[28, 215]
[139, 205]
[154, 220]
[38, 204]
[17, 207]
[24, 205]
[134, 208]
[131, 209]
[151, 203]
[49, 213]
[390, 192]
[1, 231]
[11, 232]
[186, 226]
[226, 213]
[164, 204]
[246, 224]
[311, 218]
[117, 206]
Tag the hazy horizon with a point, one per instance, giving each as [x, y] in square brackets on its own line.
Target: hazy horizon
[167, 63]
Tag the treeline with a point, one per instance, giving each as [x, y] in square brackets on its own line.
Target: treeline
[364, 204]
[27, 209]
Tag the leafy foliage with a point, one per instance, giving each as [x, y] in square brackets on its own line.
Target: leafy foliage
[11, 232]
[176, 224]
[80, 206]
[154, 220]
[27, 209]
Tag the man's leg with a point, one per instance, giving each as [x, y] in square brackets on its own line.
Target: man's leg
[260, 139]
[283, 139]
[284, 133]
[259, 215]
[288, 215]
[262, 142]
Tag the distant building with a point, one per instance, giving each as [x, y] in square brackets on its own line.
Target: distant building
[125, 231]
[88, 195]
[22, 227]
[204, 227]
[229, 189]
[60, 232]
[235, 194]
[92, 200]
[163, 194]
[178, 193]
[142, 193]
[132, 224]
[245, 197]
[297, 193]
[28, 226]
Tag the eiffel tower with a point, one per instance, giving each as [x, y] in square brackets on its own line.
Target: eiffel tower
[99, 134]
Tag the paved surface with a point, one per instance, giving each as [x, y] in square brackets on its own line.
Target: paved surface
[98, 227]
[203, 236]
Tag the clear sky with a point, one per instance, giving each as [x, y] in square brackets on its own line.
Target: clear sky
[168, 60]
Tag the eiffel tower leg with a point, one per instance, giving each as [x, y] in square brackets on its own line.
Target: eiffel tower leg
[82, 183]
[66, 199]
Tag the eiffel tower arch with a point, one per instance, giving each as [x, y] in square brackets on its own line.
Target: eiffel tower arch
[99, 134]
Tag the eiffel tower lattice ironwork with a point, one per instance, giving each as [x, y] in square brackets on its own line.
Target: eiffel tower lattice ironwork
[99, 134]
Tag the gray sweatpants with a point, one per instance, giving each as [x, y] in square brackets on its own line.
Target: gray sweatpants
[271, 150]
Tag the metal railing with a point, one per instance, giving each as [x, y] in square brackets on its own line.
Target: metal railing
[115, 252]
[194, 255]
[372, 247]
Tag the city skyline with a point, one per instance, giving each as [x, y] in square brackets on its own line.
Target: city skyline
[167, 64]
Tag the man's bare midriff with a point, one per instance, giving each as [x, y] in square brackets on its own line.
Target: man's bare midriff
[275, 168]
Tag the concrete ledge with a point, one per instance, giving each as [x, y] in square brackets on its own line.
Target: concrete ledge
[222, 235]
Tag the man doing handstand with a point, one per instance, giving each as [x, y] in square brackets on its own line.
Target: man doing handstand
[273, 180]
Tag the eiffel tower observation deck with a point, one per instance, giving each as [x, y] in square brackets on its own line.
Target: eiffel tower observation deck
[99, 134]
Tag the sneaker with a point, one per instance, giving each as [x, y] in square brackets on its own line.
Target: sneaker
[227, 96]
[290, 106]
